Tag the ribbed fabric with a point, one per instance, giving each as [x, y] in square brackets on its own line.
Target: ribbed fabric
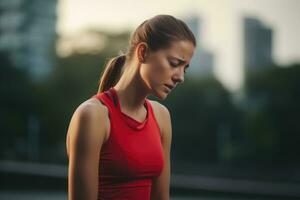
[132, 155]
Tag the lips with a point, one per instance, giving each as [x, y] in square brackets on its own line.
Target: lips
[169, 86]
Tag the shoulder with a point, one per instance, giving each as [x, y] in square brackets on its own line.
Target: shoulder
[159, 108]
[92, 112]
[89, 124]
[162, 115]
[91, 108]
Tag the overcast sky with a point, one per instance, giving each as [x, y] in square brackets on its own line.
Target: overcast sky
[221, 25]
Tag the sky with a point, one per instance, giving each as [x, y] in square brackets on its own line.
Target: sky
[221, 28]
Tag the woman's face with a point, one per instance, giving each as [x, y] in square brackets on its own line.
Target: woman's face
[165, 68]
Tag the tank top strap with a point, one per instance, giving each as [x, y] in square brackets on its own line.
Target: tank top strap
[151, 114]
[107, 99]
[149, 107]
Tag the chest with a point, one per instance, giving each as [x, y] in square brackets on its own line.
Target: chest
[131, 153]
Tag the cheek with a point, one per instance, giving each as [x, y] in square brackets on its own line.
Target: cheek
[155, 73]
[159, 71]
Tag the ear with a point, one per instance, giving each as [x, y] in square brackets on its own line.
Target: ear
[142, 50]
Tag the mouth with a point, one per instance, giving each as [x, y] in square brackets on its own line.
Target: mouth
[169, 86]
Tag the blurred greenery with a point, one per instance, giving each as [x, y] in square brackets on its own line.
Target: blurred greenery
[16, 103]
[271, 110]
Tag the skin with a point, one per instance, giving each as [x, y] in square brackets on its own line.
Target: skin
[146, 73]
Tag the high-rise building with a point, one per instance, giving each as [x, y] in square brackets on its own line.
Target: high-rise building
[202, 61]
[257, 44]
[27, 34]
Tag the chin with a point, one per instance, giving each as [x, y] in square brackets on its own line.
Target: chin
[161, 95]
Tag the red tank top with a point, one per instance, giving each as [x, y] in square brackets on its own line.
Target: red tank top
[131, 156]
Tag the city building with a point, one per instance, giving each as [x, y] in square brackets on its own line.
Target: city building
[28, 33]
[202, 62]
[257, 44]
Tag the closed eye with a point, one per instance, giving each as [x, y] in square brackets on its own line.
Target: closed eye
[177, 64]
[173, 64]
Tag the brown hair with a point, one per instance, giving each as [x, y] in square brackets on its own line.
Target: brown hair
[157, 32]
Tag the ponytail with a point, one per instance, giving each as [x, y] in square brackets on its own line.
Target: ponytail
[112, 73]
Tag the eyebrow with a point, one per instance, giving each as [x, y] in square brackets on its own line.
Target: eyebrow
[181, 61]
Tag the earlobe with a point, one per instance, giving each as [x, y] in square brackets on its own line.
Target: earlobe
[141, 59]
[142, 52]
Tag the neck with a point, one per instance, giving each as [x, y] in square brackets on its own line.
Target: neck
[131, 90]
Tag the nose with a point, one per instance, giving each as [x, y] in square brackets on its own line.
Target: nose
[178, 76]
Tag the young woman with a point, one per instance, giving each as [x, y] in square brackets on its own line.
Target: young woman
[118, 141]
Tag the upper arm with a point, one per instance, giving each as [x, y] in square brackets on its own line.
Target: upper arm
[86, 134]
[161, 184]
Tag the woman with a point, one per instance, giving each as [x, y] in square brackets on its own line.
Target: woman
[118, 141]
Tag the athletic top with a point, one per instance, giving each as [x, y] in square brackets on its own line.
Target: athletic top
[132, 156]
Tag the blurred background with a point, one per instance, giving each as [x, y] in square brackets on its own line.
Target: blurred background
[236, 134]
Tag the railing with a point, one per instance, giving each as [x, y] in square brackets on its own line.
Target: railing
[18, 174]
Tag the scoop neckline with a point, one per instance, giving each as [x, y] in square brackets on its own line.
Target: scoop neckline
[130, 120]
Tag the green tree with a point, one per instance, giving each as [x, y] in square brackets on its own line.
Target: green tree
[272, 114]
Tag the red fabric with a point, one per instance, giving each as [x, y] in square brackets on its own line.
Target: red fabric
[132, 155]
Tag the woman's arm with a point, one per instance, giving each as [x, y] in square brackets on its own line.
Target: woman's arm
[86, 134]
[161, 184]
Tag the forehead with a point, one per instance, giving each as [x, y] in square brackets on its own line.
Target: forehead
[182, 49]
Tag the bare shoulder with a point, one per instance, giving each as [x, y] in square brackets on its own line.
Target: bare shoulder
[89, 123]
[160, 108]
[162, 115]
[92, 110]
[92, 107]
